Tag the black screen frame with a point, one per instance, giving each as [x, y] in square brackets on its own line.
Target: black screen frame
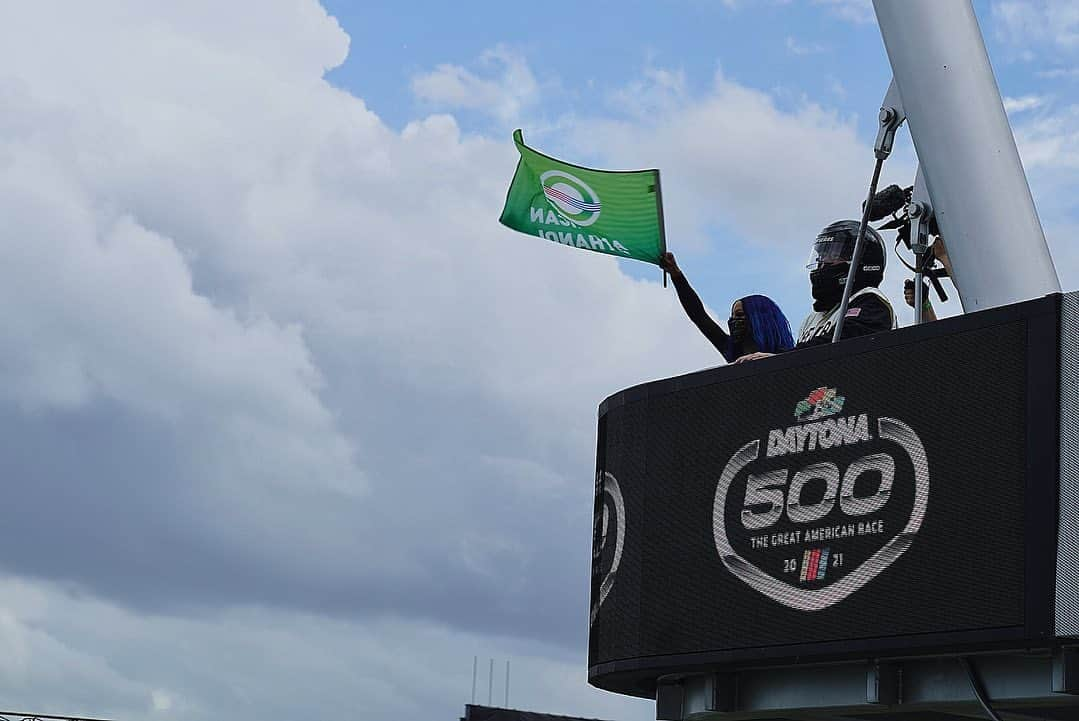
[637, 676]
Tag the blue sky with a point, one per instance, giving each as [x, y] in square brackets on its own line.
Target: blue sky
[584, 48]
[575, 49]
[826, 52]
[281, 396]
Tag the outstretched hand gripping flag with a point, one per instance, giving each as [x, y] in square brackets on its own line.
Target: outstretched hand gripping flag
[614, 212]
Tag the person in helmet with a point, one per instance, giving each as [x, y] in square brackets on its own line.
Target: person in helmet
[756, 325]
[869, 310]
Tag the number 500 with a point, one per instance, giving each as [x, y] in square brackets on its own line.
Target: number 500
[767, 489]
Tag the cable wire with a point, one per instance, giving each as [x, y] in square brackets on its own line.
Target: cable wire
[979, 690]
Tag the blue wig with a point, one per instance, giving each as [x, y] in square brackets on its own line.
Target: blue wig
[767, 324]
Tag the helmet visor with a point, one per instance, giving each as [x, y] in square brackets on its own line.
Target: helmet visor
[830, 249]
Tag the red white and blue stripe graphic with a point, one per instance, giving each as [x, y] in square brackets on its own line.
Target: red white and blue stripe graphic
[822, 566]
[814, 564]
[556, 195]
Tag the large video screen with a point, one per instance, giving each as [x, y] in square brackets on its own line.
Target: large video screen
[828, 501]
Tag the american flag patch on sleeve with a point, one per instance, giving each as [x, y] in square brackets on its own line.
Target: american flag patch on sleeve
[854, 312]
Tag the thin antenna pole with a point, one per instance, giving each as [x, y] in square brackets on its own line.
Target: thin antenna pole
[491, 682]
[475, 659]
[856, 255]
[507, 703]
[662, 224]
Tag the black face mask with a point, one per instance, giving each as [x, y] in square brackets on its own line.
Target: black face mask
[738, 328]
[828, 282]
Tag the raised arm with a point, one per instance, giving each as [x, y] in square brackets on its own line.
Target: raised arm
[694, 308]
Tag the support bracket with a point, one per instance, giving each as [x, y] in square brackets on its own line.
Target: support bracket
[891, 117]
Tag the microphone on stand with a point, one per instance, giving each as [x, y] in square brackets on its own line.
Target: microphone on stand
[887, 202]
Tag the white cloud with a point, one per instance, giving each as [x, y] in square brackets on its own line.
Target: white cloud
[1047, 31]
[240, 267]
[1050, 141]
[658, 91]
[1067, 73]
[1031, 25]
[279, 355]
[281, 358]
[512, 89]
[748, 183]
[160, 700]
[1024, 103]
[795, 47]
[728, 161]
[856, 11]
[78, 653]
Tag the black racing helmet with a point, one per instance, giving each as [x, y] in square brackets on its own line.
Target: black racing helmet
[836, 244]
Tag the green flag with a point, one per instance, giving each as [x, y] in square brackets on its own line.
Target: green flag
[614, 212]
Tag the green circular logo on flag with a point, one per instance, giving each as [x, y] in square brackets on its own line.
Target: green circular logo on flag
[571, 197]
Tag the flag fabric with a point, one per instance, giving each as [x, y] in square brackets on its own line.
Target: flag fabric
[614, 212]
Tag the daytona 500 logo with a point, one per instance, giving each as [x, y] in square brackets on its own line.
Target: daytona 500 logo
[809, 513]
[608, 537]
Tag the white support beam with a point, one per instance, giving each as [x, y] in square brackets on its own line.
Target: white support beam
[972, 169]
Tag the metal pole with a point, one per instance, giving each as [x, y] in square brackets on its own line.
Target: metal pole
[965, 146]
[856, 256]
[890, 118]
[491, 682]
[919, 294]
[475, 660]
[507, 702]
[919, 211]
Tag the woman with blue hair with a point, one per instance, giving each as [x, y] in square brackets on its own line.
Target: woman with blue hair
[757, 325]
